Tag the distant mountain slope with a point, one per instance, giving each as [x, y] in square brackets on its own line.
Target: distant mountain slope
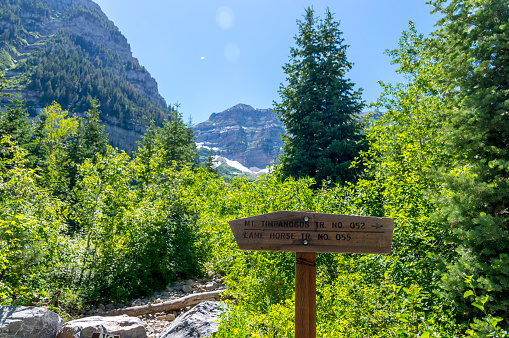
[68, 51]
[244, 134]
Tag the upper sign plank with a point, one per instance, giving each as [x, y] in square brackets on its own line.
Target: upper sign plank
[306, 231]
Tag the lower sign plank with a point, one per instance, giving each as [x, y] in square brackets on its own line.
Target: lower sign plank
[305, 231]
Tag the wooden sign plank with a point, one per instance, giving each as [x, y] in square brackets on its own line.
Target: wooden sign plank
[306, 231]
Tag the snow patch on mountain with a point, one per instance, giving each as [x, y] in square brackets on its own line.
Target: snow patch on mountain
[237, 165]
[202, 145]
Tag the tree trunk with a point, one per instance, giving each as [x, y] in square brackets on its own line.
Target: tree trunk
[172, 305]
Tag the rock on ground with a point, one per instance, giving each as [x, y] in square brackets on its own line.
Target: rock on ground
[125, 326]
[200, 321]
[28, 322]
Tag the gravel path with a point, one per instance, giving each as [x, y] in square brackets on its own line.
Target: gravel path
[155, 323]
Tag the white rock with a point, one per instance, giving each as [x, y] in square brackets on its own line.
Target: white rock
[200, 321]
[28, 321]
[124, 326]
[211, 286]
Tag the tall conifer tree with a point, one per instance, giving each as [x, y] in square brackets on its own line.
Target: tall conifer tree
[14, 119]
[177, 139]
[473, 46]
[319, 106]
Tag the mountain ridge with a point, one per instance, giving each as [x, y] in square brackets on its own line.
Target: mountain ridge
[68, 51]
[244, 134]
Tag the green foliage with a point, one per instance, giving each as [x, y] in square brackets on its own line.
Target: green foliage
[351, 308]
[472, 46]
[319, 106]
[488, 326]
[29, 228]
[53, 134]
[62, 143]
[209, 165]
[172, 144]
[50, 134]
[90, 138]
[244, 322]
[405, 145]
[355, 297]
[14, 123]
[134, 243]
[127, 245]
[108, 231]
[149, 156]
[5, 59]
[177, 140]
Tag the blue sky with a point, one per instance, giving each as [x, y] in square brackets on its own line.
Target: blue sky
[209, 55]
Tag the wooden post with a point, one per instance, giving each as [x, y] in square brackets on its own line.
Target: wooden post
[305, 295]
[306, 233]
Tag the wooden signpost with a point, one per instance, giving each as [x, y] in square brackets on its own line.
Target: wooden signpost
[306, 233]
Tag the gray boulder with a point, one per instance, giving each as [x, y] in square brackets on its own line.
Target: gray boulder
[28, 322]
[187, 288]
[124, 326]
[200, 321]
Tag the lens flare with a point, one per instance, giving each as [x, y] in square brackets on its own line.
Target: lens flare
[225, 18]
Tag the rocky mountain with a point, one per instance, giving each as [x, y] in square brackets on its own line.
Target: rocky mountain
[68, 51]
[244, 134]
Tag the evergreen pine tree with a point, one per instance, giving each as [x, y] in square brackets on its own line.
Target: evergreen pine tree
[40, 133]
[147, 150]
[319, 106]
[177, 139]
[90, 140]
[473, 48]
[14, 123]
[209, 165]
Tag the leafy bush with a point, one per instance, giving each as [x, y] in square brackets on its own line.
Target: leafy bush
[30, 224]
[135, 240]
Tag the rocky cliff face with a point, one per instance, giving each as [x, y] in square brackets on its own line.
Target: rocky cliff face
[30, 27]
[244, 134]
[36, 25]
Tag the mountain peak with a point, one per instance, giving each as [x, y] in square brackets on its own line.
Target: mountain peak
[241, 106]
[242, 133]
[241, 114]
